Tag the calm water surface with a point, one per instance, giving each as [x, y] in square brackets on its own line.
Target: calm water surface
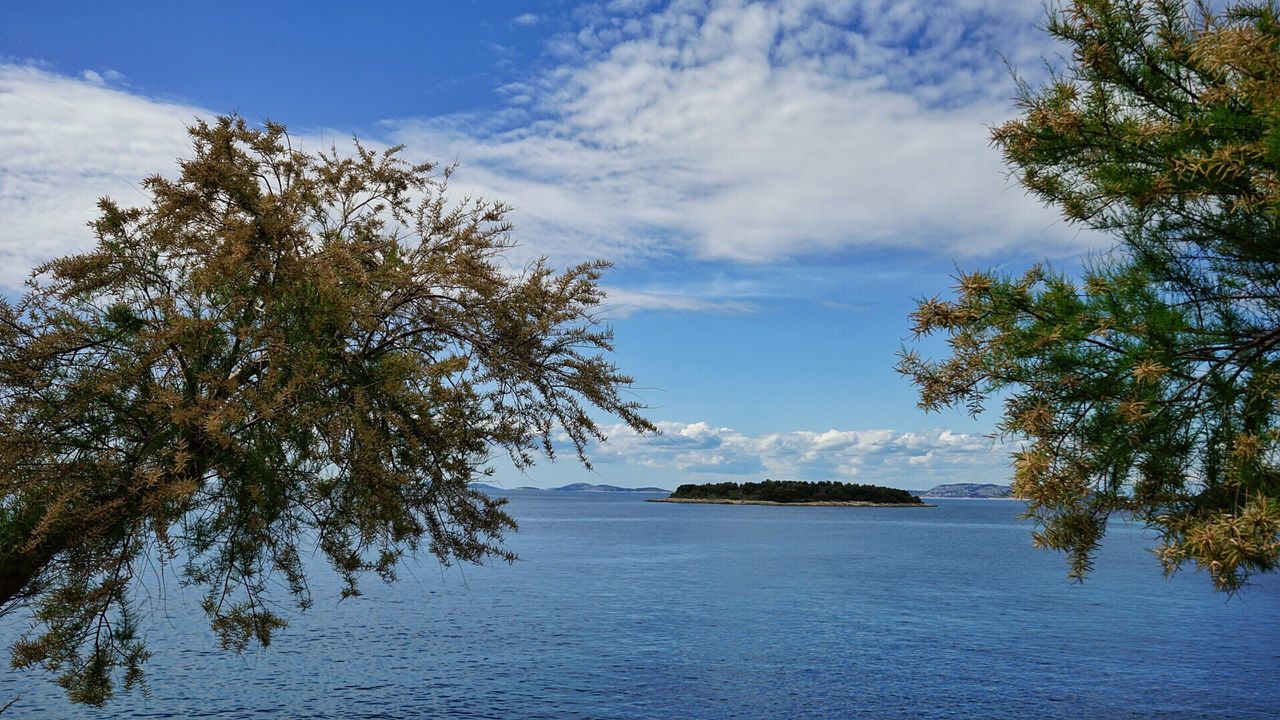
[624, 609]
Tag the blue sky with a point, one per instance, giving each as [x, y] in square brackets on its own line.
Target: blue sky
[775, 182]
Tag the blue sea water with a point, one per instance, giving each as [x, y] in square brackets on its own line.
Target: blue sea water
[620, 608]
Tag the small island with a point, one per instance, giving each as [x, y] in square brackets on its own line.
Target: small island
[794, 492]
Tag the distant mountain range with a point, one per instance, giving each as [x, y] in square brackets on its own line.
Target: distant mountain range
[574, 487]
[967, 490]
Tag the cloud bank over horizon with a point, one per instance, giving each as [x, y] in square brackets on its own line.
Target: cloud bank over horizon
[699, 452]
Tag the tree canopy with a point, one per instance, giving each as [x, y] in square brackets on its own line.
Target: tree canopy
[279, 350]
[1147, 386]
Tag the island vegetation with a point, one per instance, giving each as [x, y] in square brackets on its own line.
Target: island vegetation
[793, 492]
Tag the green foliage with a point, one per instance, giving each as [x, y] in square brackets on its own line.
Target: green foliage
[1149, 386]
[280, 350]
[790, 491]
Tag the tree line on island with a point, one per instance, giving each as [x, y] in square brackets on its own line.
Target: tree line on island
[794, 491]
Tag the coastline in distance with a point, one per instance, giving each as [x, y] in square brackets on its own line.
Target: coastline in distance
[975, 491]
[573, 487]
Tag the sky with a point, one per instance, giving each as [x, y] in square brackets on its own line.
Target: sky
[776, 183]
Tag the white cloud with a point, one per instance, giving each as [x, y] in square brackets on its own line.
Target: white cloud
[526, 19]
[622, 302]
[720, 130]
[64, 143]
[698, 452]
[752, 132]
[102, 79]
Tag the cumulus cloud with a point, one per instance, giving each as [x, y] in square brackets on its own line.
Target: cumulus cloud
[526, 19]
[754, 131]
[699, 452]
[102, 78]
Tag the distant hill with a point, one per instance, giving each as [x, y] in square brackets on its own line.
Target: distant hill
[574, 487]
[968, 490]
[588, 487]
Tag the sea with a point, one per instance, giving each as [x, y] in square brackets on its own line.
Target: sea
[621, 608]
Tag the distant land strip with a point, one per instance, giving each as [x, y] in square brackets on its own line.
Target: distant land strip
[574, 487]
[828, 503]
[969, 491]
[794, 492]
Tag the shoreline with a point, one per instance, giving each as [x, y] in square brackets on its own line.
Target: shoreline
[810, 503]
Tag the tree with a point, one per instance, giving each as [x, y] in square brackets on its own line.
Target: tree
[1149, 386]
[279, 350]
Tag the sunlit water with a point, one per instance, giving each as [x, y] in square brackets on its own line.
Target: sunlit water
[620, 608]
